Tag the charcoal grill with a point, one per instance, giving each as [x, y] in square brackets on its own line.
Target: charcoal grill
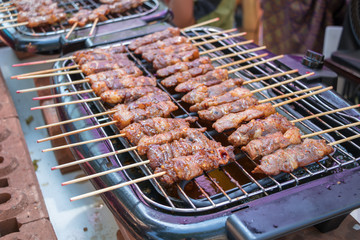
[47, 39]
[229, 202]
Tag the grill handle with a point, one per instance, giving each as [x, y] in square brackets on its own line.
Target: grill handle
[302, 206]
[165, 14]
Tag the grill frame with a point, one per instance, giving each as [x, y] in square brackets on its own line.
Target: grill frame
[202, 213]
[24, 39]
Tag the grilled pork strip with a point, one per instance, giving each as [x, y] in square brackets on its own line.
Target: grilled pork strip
[268, 144]
[260, 127]
[195, 141]
[162, 61]
[189, 167]
[216, 112]
[233, 120]
[114, 74]
[127, 95]
[177, 40]
[210, 78]
[294, 156]
[184, 76]
[105, 65]
[165, 137]
[228, 97]
[150, 127]
[199, 94]
[124, 82]
[125, 115]
[182, 66]
[150, 55]
[151, 38]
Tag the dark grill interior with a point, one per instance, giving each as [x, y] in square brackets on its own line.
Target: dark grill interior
[72, 7]
[234, 184]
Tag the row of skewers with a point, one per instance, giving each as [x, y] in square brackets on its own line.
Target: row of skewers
[176, 151]
[39, 13]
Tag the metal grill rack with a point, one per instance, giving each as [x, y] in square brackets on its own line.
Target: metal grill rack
[249, 186]
[72, 7]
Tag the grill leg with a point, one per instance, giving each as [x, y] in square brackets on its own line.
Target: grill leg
[331, 224]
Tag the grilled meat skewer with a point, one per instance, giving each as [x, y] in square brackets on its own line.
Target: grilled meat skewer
[189, 167]
[150, 55]
[216, 112]
[199, 94]
[268, 144]
[151, 38]
[195, 141]
[150, 127]
[233, 120]
[100, 87]
[110, 50]
[105, 65]
[81, 17]
[210, 78]
[124, 5]
[127, 115]
[114, 74]
[184, 76]
[233, 95]
[162, 61]
[259, 127]
[177, 40]
[127, 95]
[166, 137]
[182, 66]
[100, 13]
[294, 156]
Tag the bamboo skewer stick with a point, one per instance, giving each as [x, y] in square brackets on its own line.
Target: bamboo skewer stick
[45, 71]
[226, 47]
[82, 143]
[302, 97]
[344, 140]
[10, 20]
[52, 86]
[99, 98]
[116, 186]
[201, 24]
[43, 61]
[212, 34]
[271, 76]
[63, 94]
[66, 103]
[289, 94]
[9, 15]
[242, 61]
[90, 159]
[49, 74]
[93, 26]
[8, 9]
[14, 25]
[219, 39]
[74, 120]
[105, 173]
[71, 30]
[238, 53]
[283, 82]
[331, 130]
[75, 131]
[255, 64]
[326, 113]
